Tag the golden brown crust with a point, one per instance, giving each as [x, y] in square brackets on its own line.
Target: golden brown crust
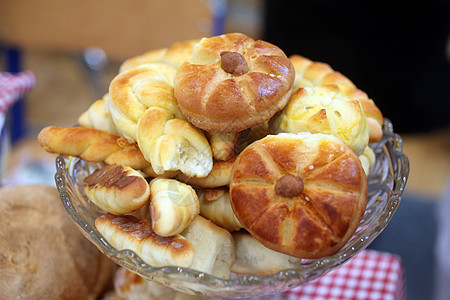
[311, 73]
[218, 177]
[128, 232]
[117, 189]
[218, 101]
[319, 220]
[95, 146]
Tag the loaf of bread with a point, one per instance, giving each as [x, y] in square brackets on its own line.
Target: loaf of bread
[225, 145]
[299, 194]
[233, 82]
[117, 189]
[44, 255]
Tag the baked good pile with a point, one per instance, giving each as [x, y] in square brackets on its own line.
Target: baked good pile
[226, 156]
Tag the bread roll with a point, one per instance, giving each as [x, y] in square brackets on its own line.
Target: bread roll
[44, 255]
[324, 109]
[98, 116]
[300, 194]
[252, 257]
[233, 82]
[132, 92]
[215, 206]
[367, 159]
[214, 247]
[226, 145]
[173, 206]
[309, 73]
[173, 144]
[117, 189]
[129, 232]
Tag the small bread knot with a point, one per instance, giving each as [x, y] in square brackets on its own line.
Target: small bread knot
[233, 63]
[289, 186]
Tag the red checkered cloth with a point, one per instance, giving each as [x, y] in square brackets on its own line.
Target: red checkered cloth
[13, 87]
[370, 275]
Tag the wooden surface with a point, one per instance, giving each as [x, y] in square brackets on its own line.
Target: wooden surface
[121, 28]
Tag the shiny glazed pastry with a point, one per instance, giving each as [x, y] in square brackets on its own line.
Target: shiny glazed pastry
[324, 109]
[299, 194]
[117, 189]
[173, 206]
[233, 82]
[310, 73]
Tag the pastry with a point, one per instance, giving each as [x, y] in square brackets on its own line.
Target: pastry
[215, 206]
[173, 206]
[252, 257]
[143, 107]
[129, 232]
[309, 73]
[172, 144]
[225, 145]
[94, 145]
[324, 109]
[117, 189]
[98, 116]
[299, 194]
[214, 247]
[233, 82]
[219, 175]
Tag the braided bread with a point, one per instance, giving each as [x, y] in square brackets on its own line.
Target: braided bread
[325, 109]
[309, 73]
[144, 108]
[95, 146]
[98, 116]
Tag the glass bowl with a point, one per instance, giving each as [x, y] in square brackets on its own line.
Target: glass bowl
[387, 181]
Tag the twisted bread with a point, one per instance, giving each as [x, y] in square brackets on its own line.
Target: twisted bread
[174, 55]
[98, 116]
[133, 91]
[309, 73]
[173, 144]
[173, 206]
[145, 110]
[324, 109]
[117, 189]
[95, 146]
[232, 82]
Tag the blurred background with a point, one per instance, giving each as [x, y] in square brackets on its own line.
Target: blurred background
[399, 54]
